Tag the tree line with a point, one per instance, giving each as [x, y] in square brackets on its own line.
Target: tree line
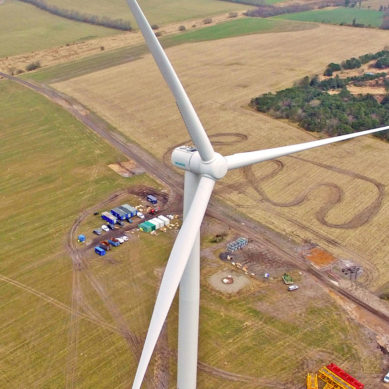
[265, 11]
[119, 24]
[314, 109]
[381, 57]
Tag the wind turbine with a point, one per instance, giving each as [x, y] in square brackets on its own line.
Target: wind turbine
[203, 167]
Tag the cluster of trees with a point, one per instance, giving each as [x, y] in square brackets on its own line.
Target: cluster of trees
[316, 110]
[382, 62]
[119, 24]
[265, 11]
[339, 83]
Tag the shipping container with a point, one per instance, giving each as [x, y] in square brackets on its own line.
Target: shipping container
[158, 223]
[119, 213]
[153, 223]
[99, 251]
[132, 211]
[109, 217]
[165, 220]
[147, 227]
[152, 199]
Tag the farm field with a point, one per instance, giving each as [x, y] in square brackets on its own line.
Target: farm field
[52, 169]
[64, 326]
[25, 28]
[296, 195]
[368, 17]
[116, 56]
[238, 27]
[157, 12]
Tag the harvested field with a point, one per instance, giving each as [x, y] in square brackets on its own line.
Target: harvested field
[312, 197]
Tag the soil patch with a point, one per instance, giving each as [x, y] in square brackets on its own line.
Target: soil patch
[126, 169]
[320, 257]
[239, 281]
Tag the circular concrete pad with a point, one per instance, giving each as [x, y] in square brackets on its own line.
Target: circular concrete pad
[240, 281]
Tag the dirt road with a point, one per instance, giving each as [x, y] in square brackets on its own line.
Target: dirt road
[220, 211]
[278, 244]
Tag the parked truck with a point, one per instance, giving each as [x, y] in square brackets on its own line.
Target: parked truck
[113, 243]
[100, 251]
[152, 199]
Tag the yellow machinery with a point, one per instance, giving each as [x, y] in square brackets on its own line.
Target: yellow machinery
[332, 380]
[312, 382]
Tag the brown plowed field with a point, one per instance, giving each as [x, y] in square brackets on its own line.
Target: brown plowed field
[334, 196]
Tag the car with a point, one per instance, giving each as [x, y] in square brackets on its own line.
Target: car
[104, 228]
[121, 224]
[292, 287]
[97, 231]
[125, 238]
[140, 215]
[386, 378]
[120, 239]
[129, 220]
[110, 226]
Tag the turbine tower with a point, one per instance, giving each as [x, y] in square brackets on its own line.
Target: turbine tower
[203, 167]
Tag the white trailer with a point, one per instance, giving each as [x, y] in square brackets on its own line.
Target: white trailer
[165, 220]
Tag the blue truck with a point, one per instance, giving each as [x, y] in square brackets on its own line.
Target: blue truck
[113, 243]
[99, 251]
[152, 199]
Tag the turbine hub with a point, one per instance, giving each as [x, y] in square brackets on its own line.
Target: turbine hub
[188, 158]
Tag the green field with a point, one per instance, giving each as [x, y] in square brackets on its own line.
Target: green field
[111, 58]
[370, 18]
[25, 28]
[52, 168]
[238, 27]
[160, 12]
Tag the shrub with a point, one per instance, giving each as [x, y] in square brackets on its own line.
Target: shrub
[19, 71]
[158, 33]
[382, 62]
[351, 63]
[102, 48]
[332, 67]
[233, 14]
[207, 21]
[181, 28]
[154, 26]
[33, 66]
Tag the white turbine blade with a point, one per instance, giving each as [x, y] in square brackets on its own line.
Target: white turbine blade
[173, 272]
[244, 159]
[192, 121]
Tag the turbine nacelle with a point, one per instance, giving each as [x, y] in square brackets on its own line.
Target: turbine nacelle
[188, 158]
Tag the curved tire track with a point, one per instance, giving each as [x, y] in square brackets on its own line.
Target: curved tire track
[219, 211]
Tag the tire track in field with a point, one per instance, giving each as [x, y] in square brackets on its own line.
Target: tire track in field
[56, 303]
[335, 197]
[222, 212]
[80, 266]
